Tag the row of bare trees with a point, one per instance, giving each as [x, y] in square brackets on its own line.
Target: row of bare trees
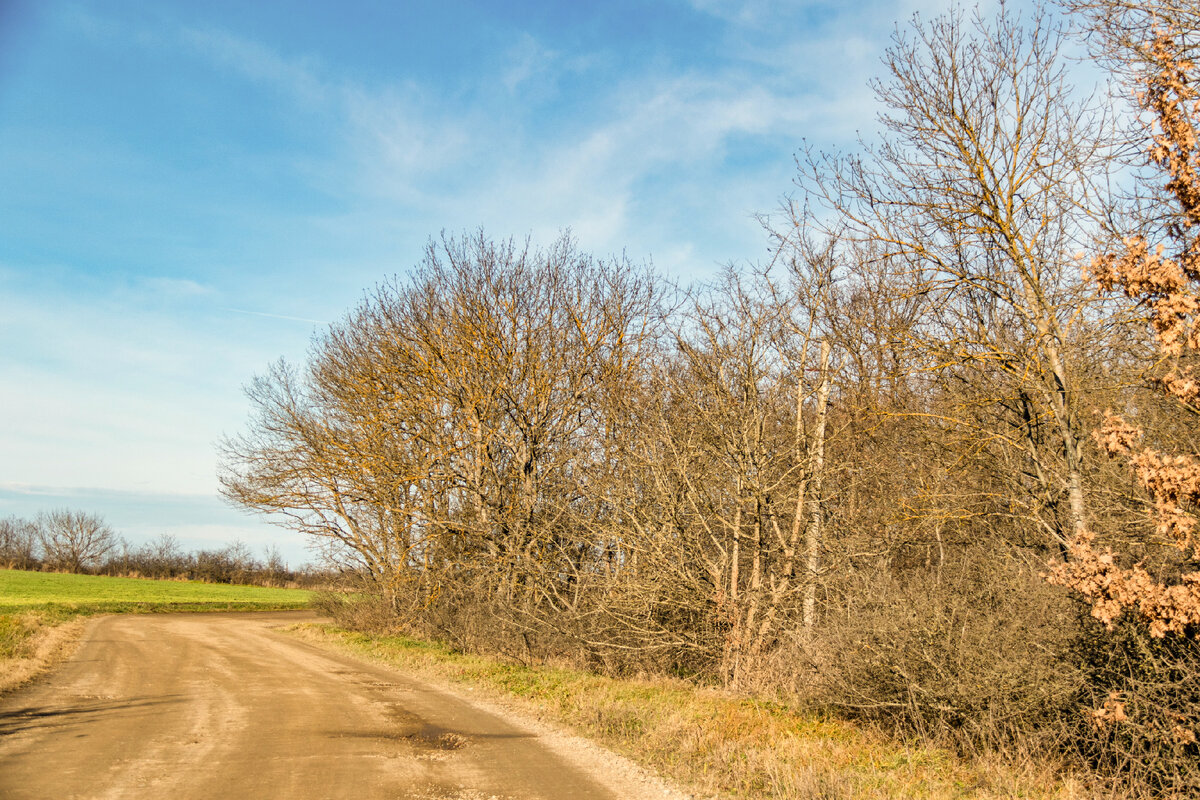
[839, 476]
[63, 539]
[69, 540]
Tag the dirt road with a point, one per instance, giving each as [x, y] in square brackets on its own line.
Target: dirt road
[224, 706]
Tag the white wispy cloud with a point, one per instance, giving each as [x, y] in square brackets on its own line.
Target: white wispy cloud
[528, 59]
[106, 388]
[399, 131]
[401, 150]
[178, 287]
[297, 77]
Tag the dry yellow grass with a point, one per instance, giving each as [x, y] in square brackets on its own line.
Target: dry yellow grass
[31, 641]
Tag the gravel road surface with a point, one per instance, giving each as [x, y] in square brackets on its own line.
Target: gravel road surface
[224, 706]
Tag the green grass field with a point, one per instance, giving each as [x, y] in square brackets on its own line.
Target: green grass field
[27, 591]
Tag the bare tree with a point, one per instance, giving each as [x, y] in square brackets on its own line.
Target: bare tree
[18, 543]
[449, 432]
[717, 453]
[1117, 30]
[164, 556]
[74, 540]
[982, 187]
[816, 513]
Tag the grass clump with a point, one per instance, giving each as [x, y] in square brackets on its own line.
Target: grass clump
[30, 640]
[16, 631]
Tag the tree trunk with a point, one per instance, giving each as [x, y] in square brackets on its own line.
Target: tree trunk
[812, 535]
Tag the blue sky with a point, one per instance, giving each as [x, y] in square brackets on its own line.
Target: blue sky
[189, 191]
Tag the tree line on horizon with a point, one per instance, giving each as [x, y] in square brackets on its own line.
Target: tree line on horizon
[929, 465]
[69, 540]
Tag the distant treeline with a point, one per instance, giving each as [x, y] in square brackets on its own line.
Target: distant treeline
[80, 542]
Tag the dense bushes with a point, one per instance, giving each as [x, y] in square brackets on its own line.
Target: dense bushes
[976, 651]
[1142, 696]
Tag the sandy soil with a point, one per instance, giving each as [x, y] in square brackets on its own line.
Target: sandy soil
[224, 706]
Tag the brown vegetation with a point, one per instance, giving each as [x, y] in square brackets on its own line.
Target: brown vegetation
[835, 479]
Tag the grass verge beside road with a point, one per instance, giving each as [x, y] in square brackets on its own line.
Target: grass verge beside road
[716, 743]
[41, 613]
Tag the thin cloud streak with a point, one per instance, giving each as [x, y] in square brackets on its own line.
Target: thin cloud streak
[275, 316]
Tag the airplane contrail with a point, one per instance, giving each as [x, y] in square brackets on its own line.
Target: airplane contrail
[275, 316]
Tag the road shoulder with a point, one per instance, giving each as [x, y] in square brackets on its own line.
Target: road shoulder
[619, 774]
[44, 642]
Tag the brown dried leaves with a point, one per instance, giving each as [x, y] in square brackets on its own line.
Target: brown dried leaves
[1111, 589]
[1168, 287]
